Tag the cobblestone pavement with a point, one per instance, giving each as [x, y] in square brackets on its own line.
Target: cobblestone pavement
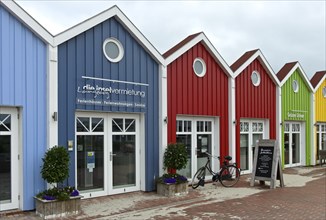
[303, 197]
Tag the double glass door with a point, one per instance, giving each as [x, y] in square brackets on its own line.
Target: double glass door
[107, 154]
[197, 135]
[8, 159]
[292, 141]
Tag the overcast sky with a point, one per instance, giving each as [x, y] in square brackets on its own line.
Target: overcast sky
[285, 31]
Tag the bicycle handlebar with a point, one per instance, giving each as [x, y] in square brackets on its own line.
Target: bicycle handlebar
[208, 154]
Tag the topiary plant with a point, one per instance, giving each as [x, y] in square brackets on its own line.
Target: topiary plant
[175, 156]
[55, 167]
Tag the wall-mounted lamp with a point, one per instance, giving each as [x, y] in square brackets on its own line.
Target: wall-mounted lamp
[281, 123]
[55, 116]
[235, 122]
[166, 119]
[316, 124]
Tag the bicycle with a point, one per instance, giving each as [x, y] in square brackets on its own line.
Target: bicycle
[228, 175]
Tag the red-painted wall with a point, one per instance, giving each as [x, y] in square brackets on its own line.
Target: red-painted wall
[255, 102]
[198, 96]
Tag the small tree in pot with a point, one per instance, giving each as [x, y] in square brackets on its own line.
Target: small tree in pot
[175, 157]
[55, 170]
[171, 183]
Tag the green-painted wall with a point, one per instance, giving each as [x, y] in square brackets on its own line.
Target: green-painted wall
[296, 107]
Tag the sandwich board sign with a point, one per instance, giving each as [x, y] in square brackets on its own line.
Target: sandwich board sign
[267, 163]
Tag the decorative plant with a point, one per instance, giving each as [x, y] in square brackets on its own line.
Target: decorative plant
[55, 169]
[175, 156]
[169, 178]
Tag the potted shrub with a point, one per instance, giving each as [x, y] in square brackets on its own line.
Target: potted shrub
[171, 183]
[175, 157]
[57, 201]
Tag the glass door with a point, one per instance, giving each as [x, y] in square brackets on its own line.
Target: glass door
[184, 135]
[197, 135]
[107, 153]
[292, 156]
[8, 159]
[90, 155]
[250, 133]
[124, 155]
[204, 142]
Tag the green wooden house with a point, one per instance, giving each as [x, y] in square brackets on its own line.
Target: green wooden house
[296, 116]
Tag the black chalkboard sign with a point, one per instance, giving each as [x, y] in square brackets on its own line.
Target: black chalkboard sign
[264, 161]
[267, 163]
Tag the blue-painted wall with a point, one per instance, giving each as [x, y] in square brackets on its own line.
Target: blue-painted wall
[23, 66]
[82, 56]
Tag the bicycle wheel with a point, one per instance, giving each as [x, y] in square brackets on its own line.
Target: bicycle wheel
[229, 175]
[199, 178]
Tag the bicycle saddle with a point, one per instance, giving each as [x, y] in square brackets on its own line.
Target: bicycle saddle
[228, 158]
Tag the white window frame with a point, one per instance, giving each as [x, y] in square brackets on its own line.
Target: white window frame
[214, 134]
[120, 48]
[140, 142]
[198, 59]
[301, 132]
[15, 163]
[255, 72]
[250, 133]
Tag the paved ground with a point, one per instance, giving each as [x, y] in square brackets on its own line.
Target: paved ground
[303, 197]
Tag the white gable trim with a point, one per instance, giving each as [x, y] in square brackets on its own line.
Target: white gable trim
[101, 17]
[265, 64]
[319, 83]
[301, 72]
[208, 45]
[27, 20]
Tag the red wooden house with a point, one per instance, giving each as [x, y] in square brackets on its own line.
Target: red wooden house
[256, 105]
[198, 86]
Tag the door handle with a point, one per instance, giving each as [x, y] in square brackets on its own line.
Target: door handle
[111, 156]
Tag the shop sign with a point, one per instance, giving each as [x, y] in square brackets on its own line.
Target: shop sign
[108, 92]
[296, 115]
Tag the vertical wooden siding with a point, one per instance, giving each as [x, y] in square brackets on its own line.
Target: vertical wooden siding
[23, 66]
[320, 103]
[299, 101]
[82, 55]
[255, 101]
[198, 96]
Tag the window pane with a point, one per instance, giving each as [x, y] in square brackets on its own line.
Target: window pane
[287, 127]
[208, 126]
[188, 126]
[5, 168]
[200, 126]
[186, 140]
[130, 125]
[254, 127]
[5, 122]
[117, 125]
[244, 151]
[90, 162]
[179, 126]
[124, 160]
[97, 124]
[83, 124]
[260, 127]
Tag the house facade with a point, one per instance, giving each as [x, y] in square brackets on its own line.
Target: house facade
[256, 105]
[198, 86]
[24, 118]
[296, 119]
[108, 105]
